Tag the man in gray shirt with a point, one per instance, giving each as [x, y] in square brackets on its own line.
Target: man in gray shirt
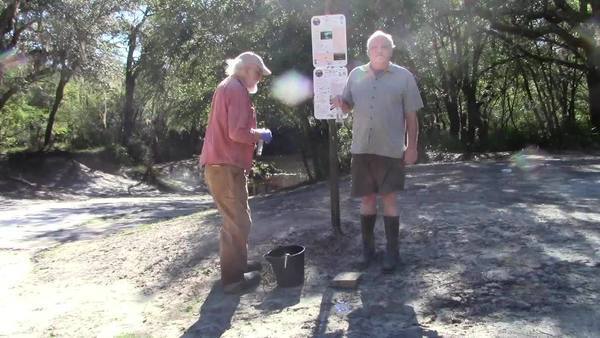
[384, 100]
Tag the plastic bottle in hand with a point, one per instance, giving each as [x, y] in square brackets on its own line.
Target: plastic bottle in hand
[259, 147]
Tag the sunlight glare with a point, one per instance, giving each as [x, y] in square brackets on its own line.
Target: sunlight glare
[292, 88]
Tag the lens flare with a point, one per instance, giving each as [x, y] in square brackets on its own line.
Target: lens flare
[292, 88]
[528, 160]
[10, 59]
[6, 54]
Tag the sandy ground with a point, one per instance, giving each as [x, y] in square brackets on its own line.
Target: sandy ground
[488, 249]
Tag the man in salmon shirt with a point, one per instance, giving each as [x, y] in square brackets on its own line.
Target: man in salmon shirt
[229, 142]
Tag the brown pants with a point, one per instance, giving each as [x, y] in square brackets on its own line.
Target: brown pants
[228, 187]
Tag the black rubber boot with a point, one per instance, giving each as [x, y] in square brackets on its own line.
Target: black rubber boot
[367, 225]
[392, 230]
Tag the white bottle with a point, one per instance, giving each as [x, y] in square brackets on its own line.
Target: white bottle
[259, 147]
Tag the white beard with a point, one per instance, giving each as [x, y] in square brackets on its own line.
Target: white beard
[254, 89]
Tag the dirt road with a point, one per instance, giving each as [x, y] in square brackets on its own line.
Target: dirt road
[488, 249]
[38, 224]
[28, 227]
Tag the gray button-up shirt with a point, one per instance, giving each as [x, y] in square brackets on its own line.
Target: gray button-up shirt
[379, 102]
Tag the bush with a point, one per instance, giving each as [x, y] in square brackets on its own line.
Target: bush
[119, 154]
[262, 170]
[22, 125]
[441, 140]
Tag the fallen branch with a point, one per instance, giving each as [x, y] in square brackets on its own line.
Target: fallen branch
[23, 181]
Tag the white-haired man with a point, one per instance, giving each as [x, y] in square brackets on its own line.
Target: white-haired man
[383, 98]
[227, 152]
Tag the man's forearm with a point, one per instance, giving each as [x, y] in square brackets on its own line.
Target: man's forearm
[412, 130]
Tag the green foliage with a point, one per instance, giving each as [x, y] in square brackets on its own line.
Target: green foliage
[119, 154]
[261, 170]
[484, 88]
[441, 140]
[344, 143]
[22, 124]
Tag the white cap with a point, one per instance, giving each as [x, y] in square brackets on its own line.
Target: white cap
[252, 58]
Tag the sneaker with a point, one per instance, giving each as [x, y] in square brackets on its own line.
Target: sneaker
[253, 266]
[251, 279]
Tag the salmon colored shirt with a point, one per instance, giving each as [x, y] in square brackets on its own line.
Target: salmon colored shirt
[229, 137]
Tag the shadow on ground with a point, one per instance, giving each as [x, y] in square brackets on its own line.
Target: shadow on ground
[215, 314]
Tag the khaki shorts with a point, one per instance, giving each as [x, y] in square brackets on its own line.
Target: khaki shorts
[375, 174]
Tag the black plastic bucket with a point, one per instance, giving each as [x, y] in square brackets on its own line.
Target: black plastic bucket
[288, 264]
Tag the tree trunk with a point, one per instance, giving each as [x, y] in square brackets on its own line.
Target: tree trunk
[593, 82]
[130, 76]
[473, 113]
[593, 73]
[128, 109]
[464, 132]
[306, 148]
[6, 96]
[485, 127]
[131, 72]
[7, 24]
[320, 148]
[453, 116]
[65, 75]
[306, 166]
[573, 99]
[451, 94]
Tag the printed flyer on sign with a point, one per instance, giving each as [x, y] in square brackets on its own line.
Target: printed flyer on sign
[328, 82]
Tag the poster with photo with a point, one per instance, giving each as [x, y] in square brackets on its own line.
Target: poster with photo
[329, 40]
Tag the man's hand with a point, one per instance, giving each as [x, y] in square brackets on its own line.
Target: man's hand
[264, 134]
[338, 102]
[410, 156]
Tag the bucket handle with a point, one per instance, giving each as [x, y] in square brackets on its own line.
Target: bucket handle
[285, 260]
